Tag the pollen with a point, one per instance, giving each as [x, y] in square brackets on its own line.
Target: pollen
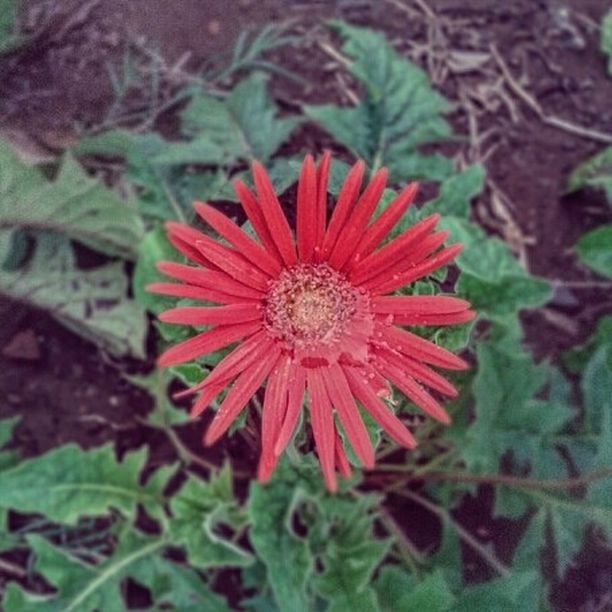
[310, 304]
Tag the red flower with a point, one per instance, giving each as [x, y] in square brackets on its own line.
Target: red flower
[314, 317]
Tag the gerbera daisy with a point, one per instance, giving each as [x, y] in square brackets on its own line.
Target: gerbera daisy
[314, 316]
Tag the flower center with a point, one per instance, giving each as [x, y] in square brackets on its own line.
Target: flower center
[310, 304]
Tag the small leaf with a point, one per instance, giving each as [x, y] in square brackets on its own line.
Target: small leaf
[595, 250]
[198, 510]
[456, 193]
[243, 127]
[595, 172]
[8, 459]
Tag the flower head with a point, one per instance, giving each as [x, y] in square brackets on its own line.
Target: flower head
[314, 316]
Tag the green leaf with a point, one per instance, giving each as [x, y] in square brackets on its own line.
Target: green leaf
[198, 511]
[492, 279]
[519, 590]
[243, 127]
[577, 357]
[397, 590]
[92, 303]
[456, 193]
[74, 205]
[397, 113]
[73, 482]
[594, 249]
[10, 39]
[606, 39]
[285, 555]
[595, 172]
[81, 586]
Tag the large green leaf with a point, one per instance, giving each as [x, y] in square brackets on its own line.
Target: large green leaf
[93, 303]
[594, 172]
[82, 586]
[398, 112]
[73, 205]
[242, 127]
[595, 250]
[68, 482]
[199, 511]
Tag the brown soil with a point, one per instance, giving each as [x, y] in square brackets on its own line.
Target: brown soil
[63, 387]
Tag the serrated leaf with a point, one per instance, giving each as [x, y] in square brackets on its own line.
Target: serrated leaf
[198, 510]
[456, 193]
[285, 555]
[594, 249]
[595, 172]
[73, 482]
[577, 357]
[492, 279]
[92, 303]
[73, 205]
[81, 586]
[222, 132]
[397, 590]
[397, 113]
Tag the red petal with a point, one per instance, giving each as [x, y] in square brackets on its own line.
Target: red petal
[399, 247]
[342, 399]
[245, 354]
[194, 293]
[418, 304]
[205, 398]
[418, 371]
[386, 221]
[254, 252]
[381, 413]
[341, 460]
[233, 264]
[184, 238]
[346, 200]
[297, 384]
[210, 279]
[206, 342]
[274, 408]
[420, 270]
[414, 256]
[453, 318]
[411, 389]
[321, 214]
[352, 232]
[274, 215]
[322, 423]
[241, 392]
[419, 348]
[253, 211]
[307, 210]
[220, 315]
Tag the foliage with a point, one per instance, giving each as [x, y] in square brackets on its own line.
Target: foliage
[397, 113]
[595, 172]
[594, 249]
[10, 38]
[535, 436]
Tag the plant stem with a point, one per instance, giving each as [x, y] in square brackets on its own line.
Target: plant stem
[465, 535]
[408, 551]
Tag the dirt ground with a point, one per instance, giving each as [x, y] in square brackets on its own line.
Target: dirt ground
[535, 60]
